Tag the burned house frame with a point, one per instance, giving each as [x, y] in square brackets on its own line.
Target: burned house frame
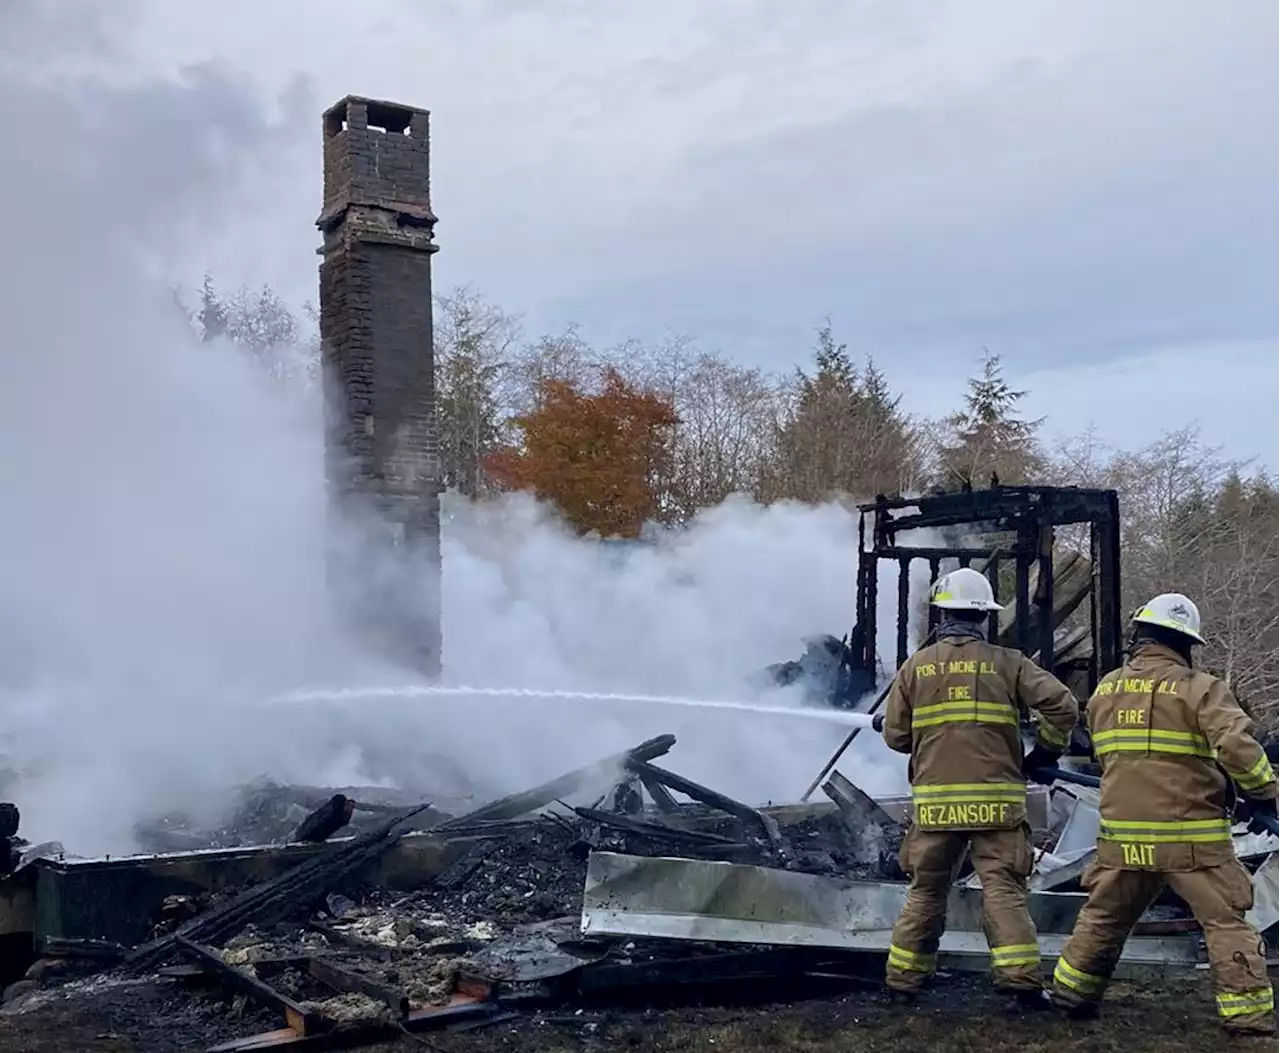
[1001, 528]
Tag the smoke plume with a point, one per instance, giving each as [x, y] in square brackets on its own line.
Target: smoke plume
[162, 534]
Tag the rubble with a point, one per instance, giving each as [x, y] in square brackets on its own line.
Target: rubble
[659, 882]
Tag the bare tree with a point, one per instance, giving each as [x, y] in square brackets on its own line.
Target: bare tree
[474, 346]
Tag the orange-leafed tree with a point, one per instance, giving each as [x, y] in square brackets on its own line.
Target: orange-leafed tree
[596, 454]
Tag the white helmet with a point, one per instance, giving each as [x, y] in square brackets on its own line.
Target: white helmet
[964, 590]
[1172, 610]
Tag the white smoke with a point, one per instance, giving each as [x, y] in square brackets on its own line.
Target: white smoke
[161, 539]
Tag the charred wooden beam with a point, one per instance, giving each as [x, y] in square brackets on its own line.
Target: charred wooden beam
[347, 981]
[274, 900]
[654, 831]
[540, 796]
[660, 796]
[709, 797]
[345, 939]
[301, 1020]
[466, 865]
[857, 808]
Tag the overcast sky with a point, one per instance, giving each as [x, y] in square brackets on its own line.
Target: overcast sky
[1087, 188]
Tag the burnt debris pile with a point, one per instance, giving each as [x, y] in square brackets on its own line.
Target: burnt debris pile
[618, 881]
[497, 916]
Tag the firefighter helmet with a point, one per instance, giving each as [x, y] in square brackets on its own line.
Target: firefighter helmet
[964, 590]
[1171, 610]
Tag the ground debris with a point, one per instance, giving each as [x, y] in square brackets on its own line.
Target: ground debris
[347, 1007]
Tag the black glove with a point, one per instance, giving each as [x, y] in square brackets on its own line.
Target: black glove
[1262, 817]
[1035, 763]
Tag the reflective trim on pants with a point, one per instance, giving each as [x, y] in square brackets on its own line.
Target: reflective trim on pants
[910, 961]
[1082, 983]
[1015, 954]
[1246, 1003]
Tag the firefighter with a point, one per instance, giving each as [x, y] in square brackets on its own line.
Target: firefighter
[954, 707]
[1158, 727]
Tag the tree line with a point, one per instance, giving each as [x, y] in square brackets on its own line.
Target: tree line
[619, 438]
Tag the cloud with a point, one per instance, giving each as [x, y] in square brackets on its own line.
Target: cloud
[1060, 182]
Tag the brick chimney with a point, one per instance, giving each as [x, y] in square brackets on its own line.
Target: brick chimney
[382, 447]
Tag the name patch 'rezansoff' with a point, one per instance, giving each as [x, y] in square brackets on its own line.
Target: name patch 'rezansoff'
[986, 813]
[945, 806]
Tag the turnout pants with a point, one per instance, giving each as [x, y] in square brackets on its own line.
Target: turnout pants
[1002, 860]
[1217, 895]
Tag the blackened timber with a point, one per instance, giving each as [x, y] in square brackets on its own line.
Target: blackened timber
[904, 603]
[869, 597]
[345, 939]
[993, 579]
[857, 808]
[940, 553]
[661, 796]
[709, 797]
[465, 865]
[655, 831]
[1045, 598]
[530, 800]
[302, 1020]
[1106, 565]
[1022, 603]
[1007, 505]
[273, 900]
[349, 982]
[935, 572]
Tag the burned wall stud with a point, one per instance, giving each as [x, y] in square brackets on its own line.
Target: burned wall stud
[382, 446]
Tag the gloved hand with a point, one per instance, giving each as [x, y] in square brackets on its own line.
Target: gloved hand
[1262, 817]
[1036, 761]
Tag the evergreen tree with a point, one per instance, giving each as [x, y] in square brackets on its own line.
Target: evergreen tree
[846, 432]
[987, 442]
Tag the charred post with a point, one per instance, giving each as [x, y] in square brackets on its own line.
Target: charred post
[382, 448]
[1045, 595]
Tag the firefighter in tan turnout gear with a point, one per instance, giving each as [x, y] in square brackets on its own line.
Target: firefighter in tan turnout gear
[1158, 727]
[954, 706]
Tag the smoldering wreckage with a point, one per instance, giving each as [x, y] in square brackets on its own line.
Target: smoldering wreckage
[329, 917]
[352, 915]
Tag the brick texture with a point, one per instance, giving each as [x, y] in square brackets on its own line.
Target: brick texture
[382, 449]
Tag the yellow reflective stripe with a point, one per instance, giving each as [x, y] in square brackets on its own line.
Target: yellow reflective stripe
[910, 961]
[1151, 740]
[1078, 980]
[1156, 831]
[1246, 1003]
[963, 712]
[952, 792]
[1051, 736]
[1163, 734]
[1256, 777]
[966, 718]
[1015, 954]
